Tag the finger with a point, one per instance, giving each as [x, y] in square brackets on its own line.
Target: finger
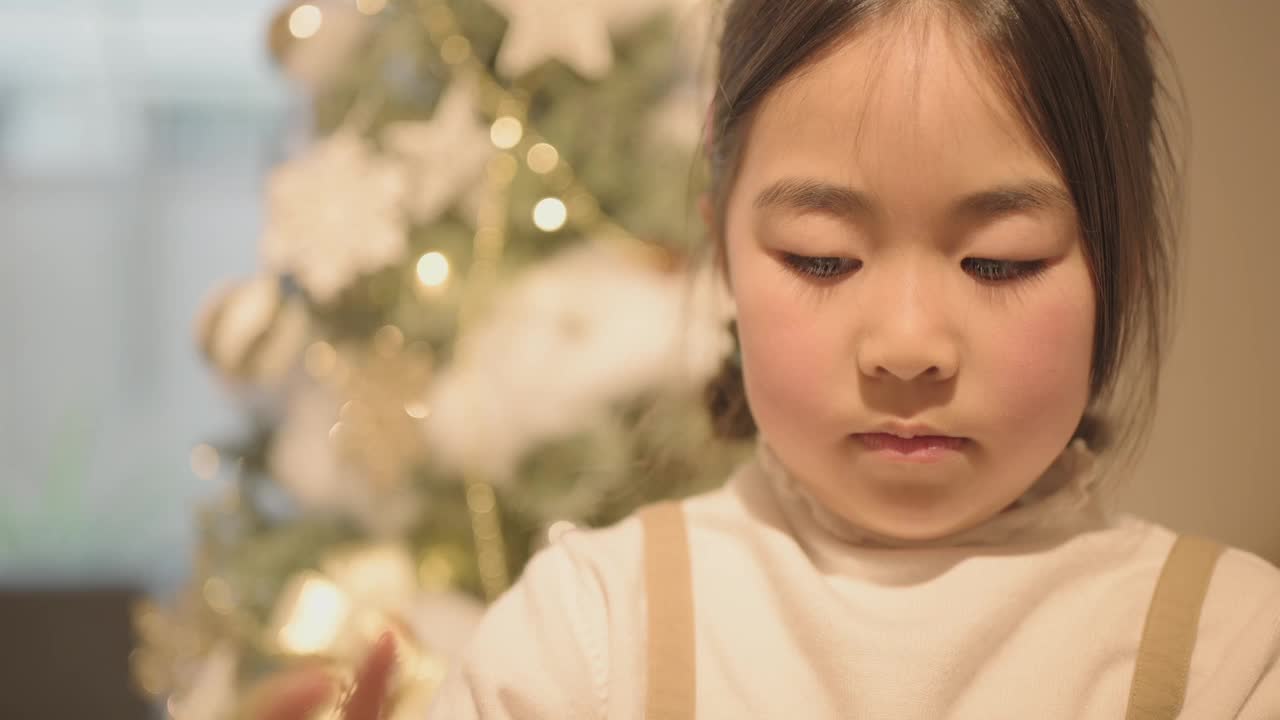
[372, 680]
[293, 696]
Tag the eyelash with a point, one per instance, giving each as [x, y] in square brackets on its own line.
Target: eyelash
[827, 269]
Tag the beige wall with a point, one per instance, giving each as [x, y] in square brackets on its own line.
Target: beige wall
[1213, 464]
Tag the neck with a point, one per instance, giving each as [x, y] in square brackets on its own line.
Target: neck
[1061, 499]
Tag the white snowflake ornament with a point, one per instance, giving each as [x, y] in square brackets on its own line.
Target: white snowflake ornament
[333, 215]
[445, 156]
[567, 339]
[573, 31]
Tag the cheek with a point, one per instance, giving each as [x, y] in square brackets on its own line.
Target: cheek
[790, 358]
[1040, 364]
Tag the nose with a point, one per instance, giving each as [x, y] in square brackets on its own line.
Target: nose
[906, 330]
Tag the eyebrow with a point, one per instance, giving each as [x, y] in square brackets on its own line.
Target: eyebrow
[803, 195]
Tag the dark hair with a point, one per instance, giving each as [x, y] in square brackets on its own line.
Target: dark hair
[1081, 73]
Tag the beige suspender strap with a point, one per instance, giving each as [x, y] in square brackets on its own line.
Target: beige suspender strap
[1164, 657]
[669, 592]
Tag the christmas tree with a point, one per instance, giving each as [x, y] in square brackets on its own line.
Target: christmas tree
[481, 321]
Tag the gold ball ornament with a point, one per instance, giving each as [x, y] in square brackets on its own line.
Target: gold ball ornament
[311, 40]
[251, 331]
[279, 39]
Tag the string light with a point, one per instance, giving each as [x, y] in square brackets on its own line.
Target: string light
[433, 269]
[305, 21]
[320, 359]
[558, 530]
[204, 461]
[371, 7]
[148, 672]
[542, 158]
[506, 132]
[388, 340]
[417, 410]
[488, 536]
[217, 593]
[584, 207]
[502, 169]
[550, 214]
[352, 412]
[439, 19]
[480, 498]
[436, 573]
[316, 614]
[455, 49]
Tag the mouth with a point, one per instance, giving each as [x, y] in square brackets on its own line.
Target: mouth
[918, 448]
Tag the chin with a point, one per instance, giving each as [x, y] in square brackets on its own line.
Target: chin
[914, 519]
[921, 532]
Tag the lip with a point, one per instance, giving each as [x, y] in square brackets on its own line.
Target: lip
[914, 443]
[904, 430]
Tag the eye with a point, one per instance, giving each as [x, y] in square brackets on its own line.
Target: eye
[998, 271]
[821, 268]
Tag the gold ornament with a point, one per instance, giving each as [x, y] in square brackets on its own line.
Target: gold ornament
[250, 331]
[379, 426]
[339, 612]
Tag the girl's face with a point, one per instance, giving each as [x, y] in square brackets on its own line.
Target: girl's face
[901, 252]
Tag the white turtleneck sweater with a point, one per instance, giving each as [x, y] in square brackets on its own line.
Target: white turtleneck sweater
[1037, 613]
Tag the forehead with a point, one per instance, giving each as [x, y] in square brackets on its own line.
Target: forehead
[907, 111]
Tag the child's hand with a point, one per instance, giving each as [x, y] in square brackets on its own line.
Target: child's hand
[297, 694]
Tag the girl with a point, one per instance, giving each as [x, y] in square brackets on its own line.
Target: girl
[942, 223]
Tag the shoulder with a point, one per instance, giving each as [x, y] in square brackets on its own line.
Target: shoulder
[1242, 606]
[539, 650]
[1249, 573]
[1237, 653]
[608, 563]
[567, 639]
[1239, 577]
[1244, 594]
[548, 646]
[611, 559]
[1237, 641]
